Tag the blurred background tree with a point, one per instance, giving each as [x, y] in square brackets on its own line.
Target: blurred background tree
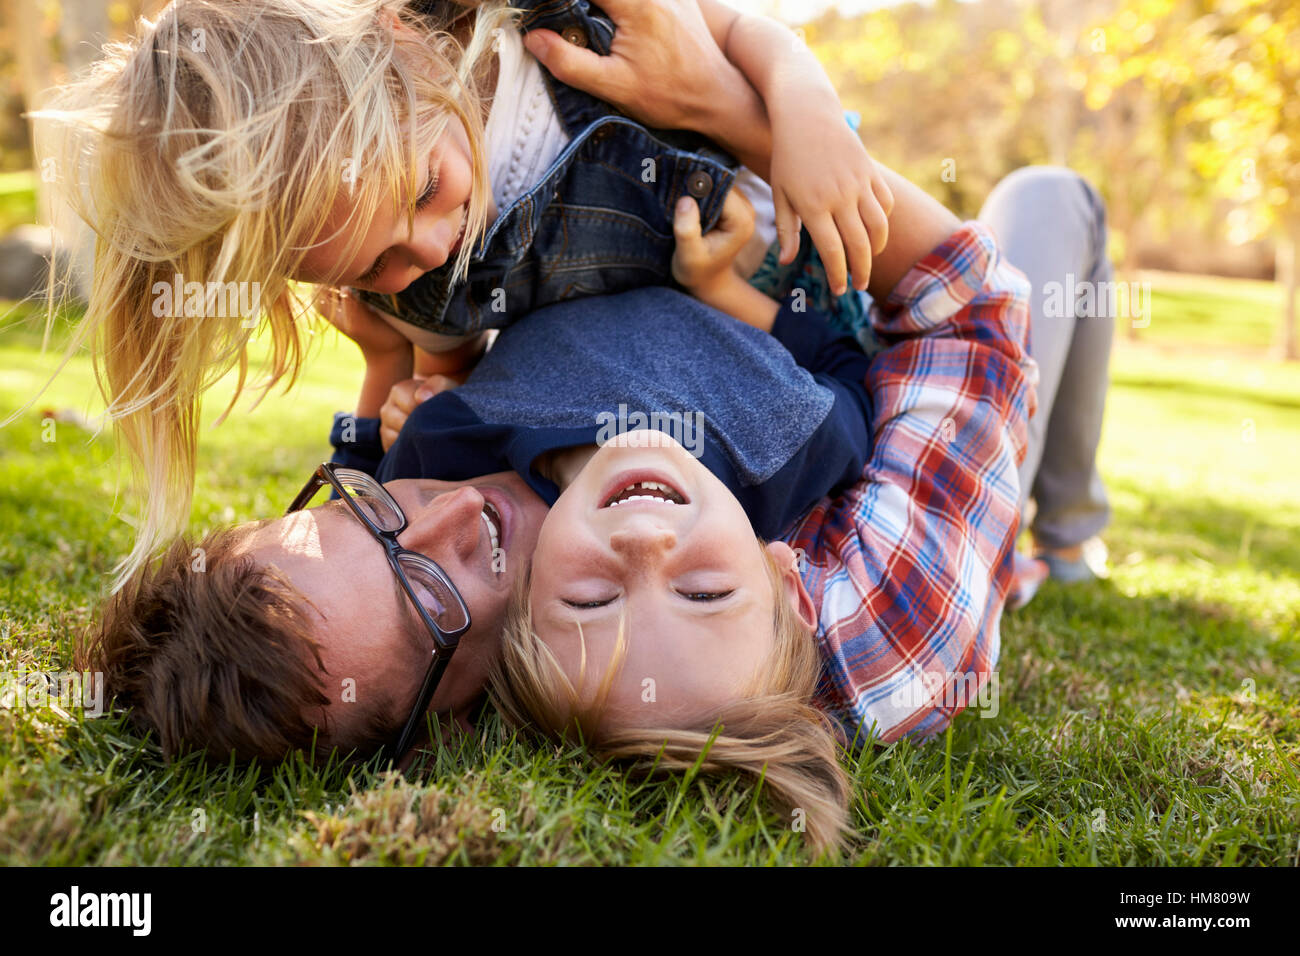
[1227, 76]
[1184, 113]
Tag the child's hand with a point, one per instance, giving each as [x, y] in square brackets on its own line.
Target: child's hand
[363, 325]
[402, 400]
[822, 175]
[700, 262]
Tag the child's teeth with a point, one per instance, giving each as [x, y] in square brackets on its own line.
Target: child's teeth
[641, 498]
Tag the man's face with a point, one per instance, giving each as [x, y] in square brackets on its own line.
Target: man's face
[371, 640]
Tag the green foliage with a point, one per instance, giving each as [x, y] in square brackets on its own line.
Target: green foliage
[1149, 719]
[17, 199]
[1226, 75]
[1183, 113]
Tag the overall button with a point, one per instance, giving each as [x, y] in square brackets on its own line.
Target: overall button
[699, 184]
[575, 35]
[602, 133]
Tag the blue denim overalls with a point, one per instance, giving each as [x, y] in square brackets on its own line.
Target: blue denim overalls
[601, 219]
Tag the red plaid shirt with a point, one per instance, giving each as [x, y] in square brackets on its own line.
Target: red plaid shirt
[911, 567]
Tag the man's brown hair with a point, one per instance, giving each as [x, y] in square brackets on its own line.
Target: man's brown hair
[211, 651]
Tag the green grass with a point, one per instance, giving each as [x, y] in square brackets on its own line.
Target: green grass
[1147, 719]
[17, 199]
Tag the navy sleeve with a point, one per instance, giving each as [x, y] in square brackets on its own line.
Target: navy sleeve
[833, 457]
[443, 438]
[816, 346]
[356, 442]
[829, 462]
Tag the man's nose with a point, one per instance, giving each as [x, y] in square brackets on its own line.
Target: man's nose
[449, 524]
[642, 539]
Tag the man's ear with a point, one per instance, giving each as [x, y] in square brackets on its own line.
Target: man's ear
[792, 581]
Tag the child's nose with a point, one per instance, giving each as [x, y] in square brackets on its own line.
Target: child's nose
[642, 538]
[427, 254]
[432, 247]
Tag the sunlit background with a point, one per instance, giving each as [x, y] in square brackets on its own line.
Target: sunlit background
[1184, 113]
[1163, 702]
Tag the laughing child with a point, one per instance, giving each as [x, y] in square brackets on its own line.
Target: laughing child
[349, 144]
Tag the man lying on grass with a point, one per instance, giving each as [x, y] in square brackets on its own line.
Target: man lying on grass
[299, 628]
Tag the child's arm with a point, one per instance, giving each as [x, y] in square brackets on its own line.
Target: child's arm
[838, 193]
[455, 363]
[387, 353]
[915, 560]
[751, 85]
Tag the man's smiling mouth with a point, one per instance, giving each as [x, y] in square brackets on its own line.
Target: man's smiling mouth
[492, 521]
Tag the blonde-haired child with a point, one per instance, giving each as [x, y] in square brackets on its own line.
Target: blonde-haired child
[653, 626]
[231, 148]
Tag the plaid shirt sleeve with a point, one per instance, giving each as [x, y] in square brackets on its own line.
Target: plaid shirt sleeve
[910, 567]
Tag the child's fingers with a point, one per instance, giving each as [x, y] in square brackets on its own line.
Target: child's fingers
[400, 401]
[884, 195]
[733, 229]
[857, 244]
[432, 386]
[876, 220]
[738, 214]
[403, 398]
[391, 420]
[686, 221]
[826, 237]
[787, 226]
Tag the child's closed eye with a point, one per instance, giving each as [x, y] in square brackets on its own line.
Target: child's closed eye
[586, 605]
[689, 595]
[705, 595]
[430, 191]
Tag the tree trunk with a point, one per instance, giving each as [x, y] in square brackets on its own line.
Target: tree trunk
[82, 29]
[35, 73]
[1288, 274]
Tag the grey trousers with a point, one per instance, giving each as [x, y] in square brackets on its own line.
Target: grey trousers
[1051, 224]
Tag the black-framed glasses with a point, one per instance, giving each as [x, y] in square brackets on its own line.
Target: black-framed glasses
[435, 599]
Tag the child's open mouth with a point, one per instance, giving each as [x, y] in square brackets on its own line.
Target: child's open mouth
[656, 491]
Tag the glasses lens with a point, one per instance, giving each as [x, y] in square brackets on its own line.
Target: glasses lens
[434, 594]
[369, 496]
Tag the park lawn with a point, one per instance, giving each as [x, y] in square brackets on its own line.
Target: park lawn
[1148, 719]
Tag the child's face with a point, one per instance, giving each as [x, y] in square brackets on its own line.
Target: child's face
[402, 258]
[687, 574]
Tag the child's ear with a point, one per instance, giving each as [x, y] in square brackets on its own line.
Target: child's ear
[792, 580]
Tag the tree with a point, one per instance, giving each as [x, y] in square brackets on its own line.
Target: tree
[1227, 75]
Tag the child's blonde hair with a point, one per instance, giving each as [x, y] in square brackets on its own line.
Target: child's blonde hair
[770, 732]
[214, 146]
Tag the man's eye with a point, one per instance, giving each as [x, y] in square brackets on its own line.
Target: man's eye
[705, 595]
